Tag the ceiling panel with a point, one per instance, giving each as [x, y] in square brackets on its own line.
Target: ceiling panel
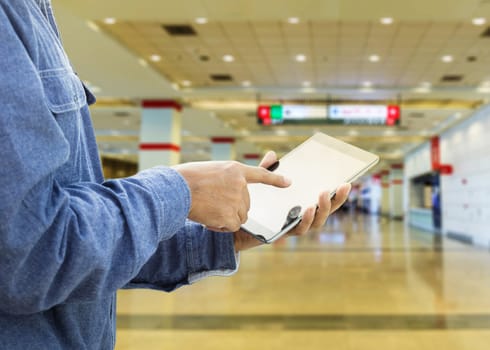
[337, 42]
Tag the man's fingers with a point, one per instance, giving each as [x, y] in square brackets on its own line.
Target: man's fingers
[323, 210]
[340, 196]
[261, 175]
[243, 211]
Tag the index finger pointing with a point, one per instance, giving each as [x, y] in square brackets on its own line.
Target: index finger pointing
[262, 175]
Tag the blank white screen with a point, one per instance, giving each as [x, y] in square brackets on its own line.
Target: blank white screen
[313, 168]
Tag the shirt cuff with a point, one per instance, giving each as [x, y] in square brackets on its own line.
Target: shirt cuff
[173, 194]
[209, 253]
[197, 276]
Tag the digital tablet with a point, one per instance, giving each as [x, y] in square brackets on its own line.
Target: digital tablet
[319, 164]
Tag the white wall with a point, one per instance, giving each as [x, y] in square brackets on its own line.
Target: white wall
[466, 193]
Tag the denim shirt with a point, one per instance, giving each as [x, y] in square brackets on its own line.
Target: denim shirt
[68, 239]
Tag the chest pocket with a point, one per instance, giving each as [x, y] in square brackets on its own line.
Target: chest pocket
[65, 97]
[63, 90]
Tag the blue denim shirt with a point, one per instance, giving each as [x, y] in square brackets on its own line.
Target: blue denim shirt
[68, 239]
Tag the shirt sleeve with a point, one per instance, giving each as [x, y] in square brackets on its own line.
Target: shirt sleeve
[67, 243]
[206, 253]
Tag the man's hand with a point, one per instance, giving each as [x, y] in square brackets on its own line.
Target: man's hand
[313, 217]
[219, 193]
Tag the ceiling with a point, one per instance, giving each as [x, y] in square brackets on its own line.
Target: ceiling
[136, 58]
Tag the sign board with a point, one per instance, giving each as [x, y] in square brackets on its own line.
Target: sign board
[334, 114]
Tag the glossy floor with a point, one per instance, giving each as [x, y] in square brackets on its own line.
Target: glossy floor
[361, 283]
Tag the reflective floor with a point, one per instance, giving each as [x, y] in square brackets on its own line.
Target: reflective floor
[361, 283]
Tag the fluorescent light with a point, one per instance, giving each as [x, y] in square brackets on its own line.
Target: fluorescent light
[155, 58]
[93, 26]
[424, 88]
[447, 58]
[300, 58]
[186, 83]
[293, 20]
[201, 20]
[228, 58]
[367, 84]
[246, 83]
[483, 88]
[281, 132]
[374, 58]
[386, 20]
[479, 21]
[366, 90]
[306, 84]
[109, 20]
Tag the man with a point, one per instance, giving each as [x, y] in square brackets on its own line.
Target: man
[68, 239]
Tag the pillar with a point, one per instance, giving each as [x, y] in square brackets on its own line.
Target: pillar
[160, 133]
[223, 148]
[396, 191]
[385, 192]
[251, 159]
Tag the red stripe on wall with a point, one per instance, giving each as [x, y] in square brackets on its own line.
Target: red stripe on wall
[396, 166]
[251, 156]
[161, 104]
[223, 139]
[159, 147]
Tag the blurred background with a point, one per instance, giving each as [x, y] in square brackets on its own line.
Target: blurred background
[404, 264]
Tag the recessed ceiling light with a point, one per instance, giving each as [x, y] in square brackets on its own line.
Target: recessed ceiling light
[367, 84]
[246, 83]
[300, 58]
[228, 58]
[293, 20]
[386, 20]
[447, 58]
[109, 20]
[186, 83]
[155, 58]
[201, 20]
[306, 83]
[479, 21]
[374, 58]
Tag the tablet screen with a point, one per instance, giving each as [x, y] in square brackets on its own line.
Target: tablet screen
[313, 167]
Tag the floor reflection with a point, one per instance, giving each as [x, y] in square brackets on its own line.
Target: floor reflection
[353, 284]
